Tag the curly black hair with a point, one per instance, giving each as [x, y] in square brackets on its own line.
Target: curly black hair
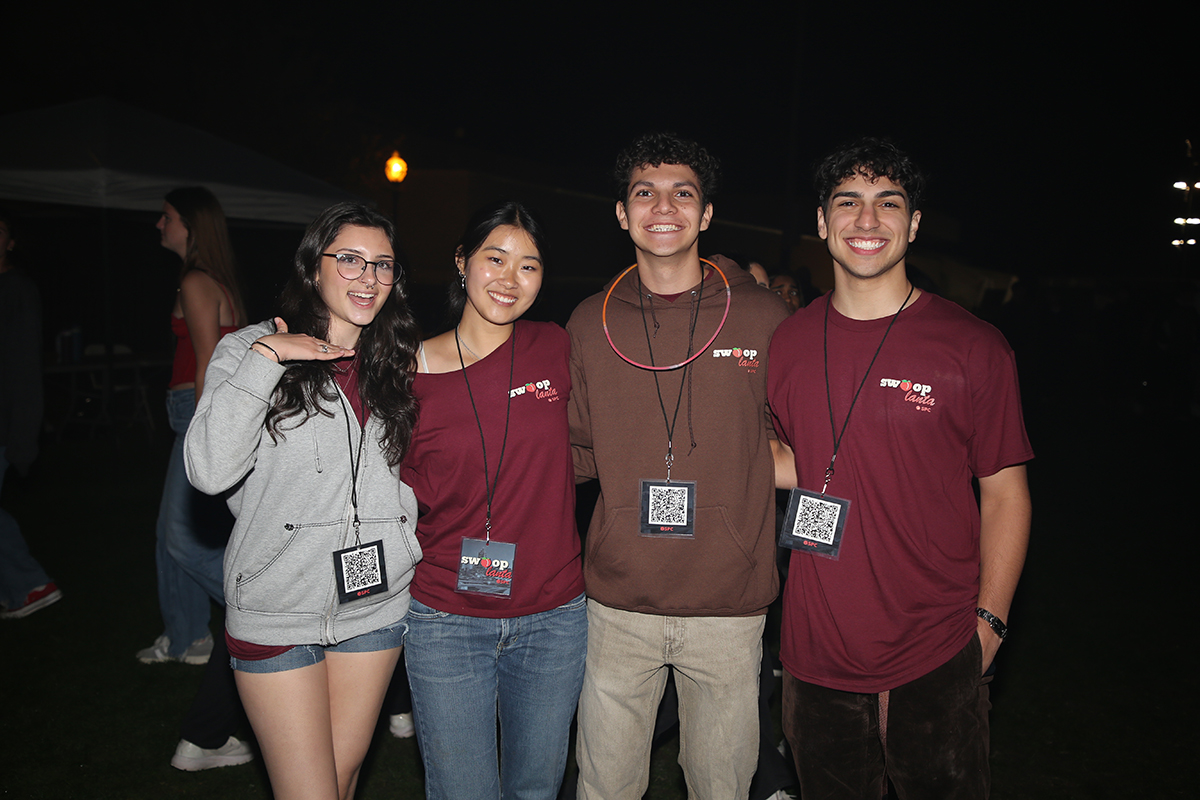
[871, 157]
[386, 348]
[655, 149]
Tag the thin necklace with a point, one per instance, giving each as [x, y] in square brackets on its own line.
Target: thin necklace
[349, 364]
[458, 338]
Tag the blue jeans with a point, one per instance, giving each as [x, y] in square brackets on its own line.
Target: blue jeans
[191, 533]
[464, 671]
[19, 572]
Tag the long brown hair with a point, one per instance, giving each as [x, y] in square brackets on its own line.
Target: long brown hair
[208, 248]
[386, 348]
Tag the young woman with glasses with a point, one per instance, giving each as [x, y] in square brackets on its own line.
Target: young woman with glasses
[306, 423]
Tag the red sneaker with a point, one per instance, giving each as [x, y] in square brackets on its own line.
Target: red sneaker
[39, 598]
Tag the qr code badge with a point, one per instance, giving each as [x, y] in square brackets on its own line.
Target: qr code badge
[668, 509]
[814, 523]
[668, 505]
[360, 571]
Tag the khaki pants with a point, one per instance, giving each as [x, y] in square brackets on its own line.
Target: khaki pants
[716, 661]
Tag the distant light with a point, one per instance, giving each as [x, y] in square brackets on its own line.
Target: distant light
[1193, 220]
[1181, 185]
[1191, 241]
[1177, 242]
[1180, 221]
[397, 168]
[1198, 184]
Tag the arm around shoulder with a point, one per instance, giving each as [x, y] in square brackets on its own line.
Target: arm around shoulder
[785, 465]
[582, 455]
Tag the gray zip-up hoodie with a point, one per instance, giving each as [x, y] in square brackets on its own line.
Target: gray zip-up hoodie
[291, 498]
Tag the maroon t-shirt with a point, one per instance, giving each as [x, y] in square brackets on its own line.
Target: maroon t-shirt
[941, 404]
[534, 503]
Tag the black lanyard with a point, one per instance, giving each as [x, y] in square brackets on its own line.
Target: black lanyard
[354, 463]
[837, 437]
[695, 317]
[490, 486]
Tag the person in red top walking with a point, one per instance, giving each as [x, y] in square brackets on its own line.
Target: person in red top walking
[192, 529]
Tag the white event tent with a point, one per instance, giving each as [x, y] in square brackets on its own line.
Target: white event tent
[101, 153]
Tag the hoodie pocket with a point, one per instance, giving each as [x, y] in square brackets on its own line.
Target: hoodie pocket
[293, 571]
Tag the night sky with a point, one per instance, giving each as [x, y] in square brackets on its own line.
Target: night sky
[1051, 142]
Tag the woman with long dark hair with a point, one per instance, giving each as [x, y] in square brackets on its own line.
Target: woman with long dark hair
[498, 625]
[190, 532]
[306, 423]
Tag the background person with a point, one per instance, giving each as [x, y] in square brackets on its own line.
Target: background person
[307, 428]
[24, 585]
[491, 462]
[786, 287]
[192, 528]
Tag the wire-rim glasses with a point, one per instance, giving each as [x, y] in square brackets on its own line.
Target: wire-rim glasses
[351, 267]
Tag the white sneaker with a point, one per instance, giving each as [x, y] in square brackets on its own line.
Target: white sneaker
[190, 758]
[157, 652]
[197, 653]
[401, 725]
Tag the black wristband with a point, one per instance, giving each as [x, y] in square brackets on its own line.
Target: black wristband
[993, 622]
[278, 360]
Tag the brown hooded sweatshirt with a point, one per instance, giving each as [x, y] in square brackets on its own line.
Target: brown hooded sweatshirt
[620, 437]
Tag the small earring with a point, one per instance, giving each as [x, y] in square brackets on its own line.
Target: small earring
[463, 277]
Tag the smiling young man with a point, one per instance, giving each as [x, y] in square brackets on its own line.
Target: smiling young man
[668, 393]
[893, 400]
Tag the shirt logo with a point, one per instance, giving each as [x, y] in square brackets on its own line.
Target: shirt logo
[746, 357]
[542, 390]
[920, 394]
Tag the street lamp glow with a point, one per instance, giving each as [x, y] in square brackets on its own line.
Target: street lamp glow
[397, 168]
[1181, 185]
[1180, 221]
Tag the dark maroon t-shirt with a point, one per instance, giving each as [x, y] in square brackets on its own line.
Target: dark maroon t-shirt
[534, 503]
[941, 404]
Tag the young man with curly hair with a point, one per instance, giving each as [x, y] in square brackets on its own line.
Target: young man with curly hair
[668, 393]
[894, 401]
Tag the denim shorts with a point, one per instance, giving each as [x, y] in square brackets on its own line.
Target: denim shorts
[305, 655]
